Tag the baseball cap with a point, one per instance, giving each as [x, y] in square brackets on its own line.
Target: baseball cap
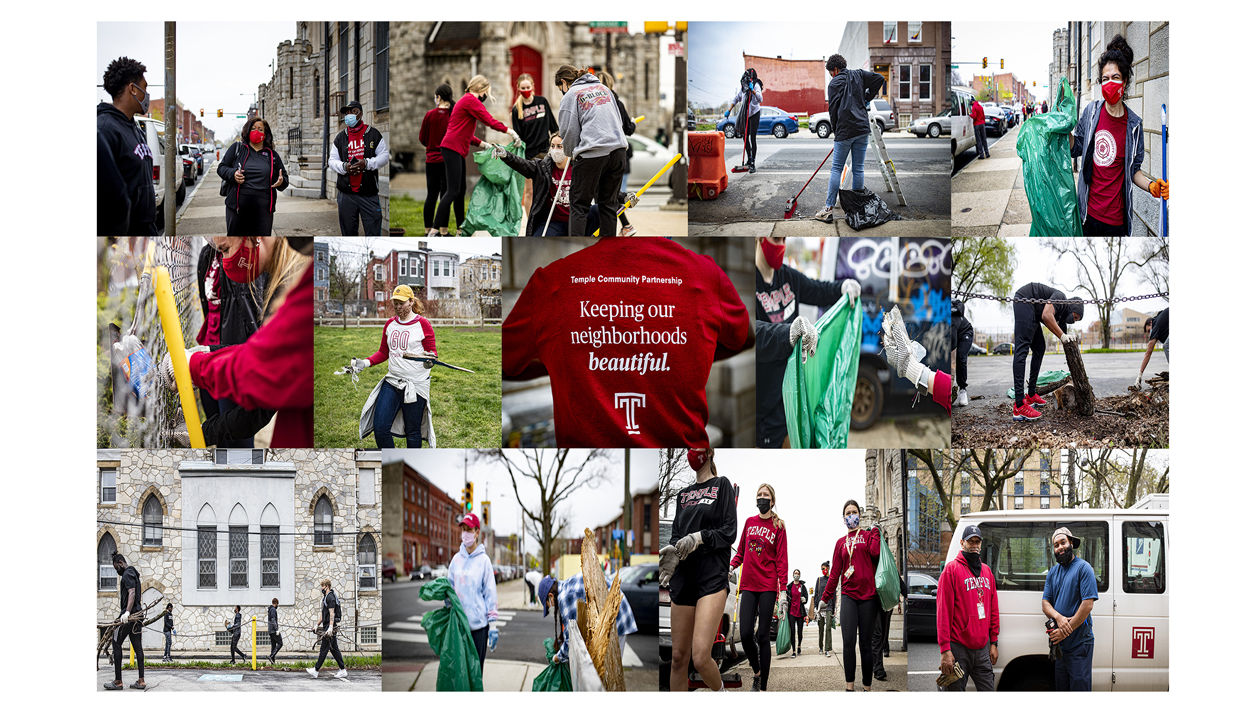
[543, 589]
[351, 105]
[403, 292]
[470, 520]
[970, 531]
[1064, 530]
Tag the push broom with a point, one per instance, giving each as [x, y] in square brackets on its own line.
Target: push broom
[792, 204]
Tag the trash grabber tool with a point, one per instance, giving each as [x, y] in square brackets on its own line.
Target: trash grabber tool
[793, 202]
[1165, 132]
[639, 119]
[562, 179]
[646, 186]
[413, 357]
[746, 125]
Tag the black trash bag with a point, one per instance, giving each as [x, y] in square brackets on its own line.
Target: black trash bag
[864, 209]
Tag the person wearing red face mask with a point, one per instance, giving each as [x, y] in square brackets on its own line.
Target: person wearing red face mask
[253, 173]
[533, 119]
[779, 290]
[1109, 137]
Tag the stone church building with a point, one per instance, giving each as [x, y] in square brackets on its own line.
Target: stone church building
[211, 529]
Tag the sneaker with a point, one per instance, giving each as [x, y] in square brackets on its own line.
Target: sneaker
[963, 398]
[625, 232]
[342, 674]
[1036, 400]
[754, 684]
[112, 686]
[312, 671]
[751, 168]
[826, 215]
[1025, 412]
[880, 676]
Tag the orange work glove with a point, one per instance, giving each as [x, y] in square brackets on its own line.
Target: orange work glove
[1159, 189]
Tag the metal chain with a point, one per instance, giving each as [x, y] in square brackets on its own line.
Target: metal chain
[1044, 301]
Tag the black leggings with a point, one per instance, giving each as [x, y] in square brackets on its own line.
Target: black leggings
[277, 643]
[130, 631]
[480, 638]
[858, 614]
[758, 644]
[1027, 339]
[1094, 227]
[436, 188]
[796, 633]
[455, 188]
[750, 138]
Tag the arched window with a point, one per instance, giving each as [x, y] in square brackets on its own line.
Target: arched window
[206, 548]
[106, 576]
[323, 522]
[366, 562]
[152, 521]
[270, 547]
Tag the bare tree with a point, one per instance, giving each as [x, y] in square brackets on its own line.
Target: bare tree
[1120, 478]
[942, 473]
[555, 475]
[346, 270]
[1101, 263]
[672, 462]
[993, 468]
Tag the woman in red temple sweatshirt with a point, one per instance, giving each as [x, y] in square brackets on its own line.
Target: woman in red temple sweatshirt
[460, 135]
[855, 561]
[762, 555]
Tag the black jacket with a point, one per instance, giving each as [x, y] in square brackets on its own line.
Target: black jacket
[369, 187]
[960, 325]
[127, 204]
[262, 168]
[235, 626]
[626, 122]
[331, 609]
[272, 619]
[849, 94]
[818, 591]
[168, 623]
[540, 171]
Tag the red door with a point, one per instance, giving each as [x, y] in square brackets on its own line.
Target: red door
[526, 60]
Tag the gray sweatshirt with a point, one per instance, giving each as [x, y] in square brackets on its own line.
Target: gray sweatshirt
[589, 120]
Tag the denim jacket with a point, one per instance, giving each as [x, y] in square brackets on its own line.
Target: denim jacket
[1084, 131]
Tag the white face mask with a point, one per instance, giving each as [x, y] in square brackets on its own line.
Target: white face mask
[469, 537]
[557, 155]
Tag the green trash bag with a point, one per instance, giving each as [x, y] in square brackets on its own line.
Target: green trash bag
[1045, 378]
[449, 635]
[555, 677]
[496, 200]
[887, 578]
[817, 394]
[783, 634]
[1043, 146]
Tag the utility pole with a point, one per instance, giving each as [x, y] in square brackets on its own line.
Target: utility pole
[677, 180]
[627, 522]
[172, 144]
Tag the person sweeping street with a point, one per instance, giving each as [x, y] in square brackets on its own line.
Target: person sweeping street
[130, 623]
[967, 618]
[398, 405]
[694, 567]
[849, 93]
[329, 622]
[1028, 339]
[459, 137]
[593, 136]
[797, 592]
[763, 558]
[854, 562]
[471, 574]
[747, 99]
[358, 153]
[1157, 330]
[824, 611]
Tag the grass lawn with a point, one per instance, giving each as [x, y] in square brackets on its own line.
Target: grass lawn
[407, 213]
[466, 408]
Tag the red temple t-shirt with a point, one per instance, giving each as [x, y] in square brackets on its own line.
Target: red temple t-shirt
[762, 555]
[1106, 200]
[627, 330]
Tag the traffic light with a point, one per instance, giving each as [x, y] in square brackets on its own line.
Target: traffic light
[220, 113]
[484, 513]
[1034, 83]
[467, 497]
[983, 62]
[202, 112]
[1001, 63]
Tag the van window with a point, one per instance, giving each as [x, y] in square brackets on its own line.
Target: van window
[1020, 553]
[1143, 557]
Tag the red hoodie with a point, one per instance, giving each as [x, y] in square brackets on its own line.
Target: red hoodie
[978, 114]
[628, 330]
[959, 593]
[273, 369]
[865, 549]
[460, 133]
[762, 546]
[432, 132]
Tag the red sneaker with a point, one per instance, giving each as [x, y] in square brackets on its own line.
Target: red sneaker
[1035, 400]
[1025, 411]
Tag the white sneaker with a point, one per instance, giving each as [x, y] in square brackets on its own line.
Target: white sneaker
[342, 673]
[312, 671]
[963, 398]
[826, 215]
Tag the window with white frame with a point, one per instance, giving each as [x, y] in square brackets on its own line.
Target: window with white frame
[206, 557]
[914, 33]
[106, 576]
[366, 562]
[238, 556]
[379, 271]
[368, 635]
[926, 82]
[905, 82]
[890, 32]
[323, 522]
[108, 486]
[270, 556]
[366, 486]
[152, 521]
[320, 255]
[414, 268]
[379, 296]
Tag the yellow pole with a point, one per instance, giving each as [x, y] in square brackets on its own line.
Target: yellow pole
[173, 331]
[639, 119]
[255, 643]
[131, 664]
[649, 182]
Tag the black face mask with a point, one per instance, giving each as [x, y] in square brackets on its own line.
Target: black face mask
[974, 559]
[1065, 556]
[764, 505]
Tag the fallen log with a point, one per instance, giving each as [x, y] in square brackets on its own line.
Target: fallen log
[1084, 403]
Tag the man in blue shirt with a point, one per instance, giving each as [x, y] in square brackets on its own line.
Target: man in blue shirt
[1068, 596]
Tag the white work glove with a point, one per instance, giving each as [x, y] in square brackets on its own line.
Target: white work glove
[1069, 337]
[358, 364]
[514, 136]
[123, 617]
[1139, 380]
[498, 151]
[902, 353]
[803, 332]
[687, 544]
[632, 200]
[166, 369]
[851, 289]
[668, 561]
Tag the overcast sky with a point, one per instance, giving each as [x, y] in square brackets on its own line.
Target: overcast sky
[716, 48]
[1025, 47]
[215, 62]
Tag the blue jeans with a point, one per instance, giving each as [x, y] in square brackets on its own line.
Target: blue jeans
[386, 404]
[1073, 669]
[166, 655]
[855, 147]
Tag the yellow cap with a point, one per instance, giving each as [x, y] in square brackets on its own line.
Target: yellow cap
[403, 292]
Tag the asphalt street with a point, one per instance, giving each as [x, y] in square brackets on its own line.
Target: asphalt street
[971, 154]
[244, 680]
[783, 165]
[1110, 374]
[923, 660]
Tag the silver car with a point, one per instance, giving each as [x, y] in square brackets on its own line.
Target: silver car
[933, 126]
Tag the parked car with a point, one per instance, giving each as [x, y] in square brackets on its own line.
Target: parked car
[640, 584]
[772, 121]
[423, 572]
[441, 571]
[153, 130]
[1005, 348]
[189, 169]
[960, 100]
[880, 110]
[388, 569]
[1127, 548]
[996, 122]
[1010, 116]
[932, 126]
[648, 158]
[976, 350]
[922, 592]
[196, 153]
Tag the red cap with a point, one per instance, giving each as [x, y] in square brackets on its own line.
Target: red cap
[698, 457]
[470, 520]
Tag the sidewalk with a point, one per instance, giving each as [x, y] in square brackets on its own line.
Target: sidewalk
[807, 226]
[513, 676]
[988, 197]
[205, 213]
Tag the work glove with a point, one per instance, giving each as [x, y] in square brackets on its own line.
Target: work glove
[804, 332]
[851, 289]
[687, 544]
[1139, 380]
[493, 638]
[902, 353]
[1160, 189]
[123, 617]
[1069, 337]
[632, 200]
[514, 136]
[166, 370]
[668, 561]
[499, 151]
[358, 364]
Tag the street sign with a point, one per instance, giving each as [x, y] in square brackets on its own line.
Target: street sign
[607, 27]
[676, 49]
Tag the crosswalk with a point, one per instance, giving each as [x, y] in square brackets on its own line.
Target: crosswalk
[411, 630]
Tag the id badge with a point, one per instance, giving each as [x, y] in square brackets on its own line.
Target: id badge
[850, 571]
[981, 610]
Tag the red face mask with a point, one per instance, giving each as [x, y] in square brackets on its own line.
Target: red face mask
[1112, 91]
[256, 136]
[527, 95]
[773, 253]
[243, 265]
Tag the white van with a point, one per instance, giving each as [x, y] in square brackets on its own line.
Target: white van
[1130, 620]
[962, 137]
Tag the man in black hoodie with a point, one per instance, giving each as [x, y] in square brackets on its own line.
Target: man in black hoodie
[126, 203]
[849, 93]
[961, 343]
